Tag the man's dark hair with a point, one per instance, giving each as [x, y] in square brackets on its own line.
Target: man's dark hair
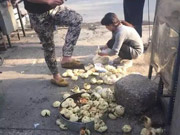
[110, 18]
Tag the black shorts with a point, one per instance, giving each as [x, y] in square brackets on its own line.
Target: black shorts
[124, 52]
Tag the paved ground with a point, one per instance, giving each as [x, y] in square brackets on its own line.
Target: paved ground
[25, 88]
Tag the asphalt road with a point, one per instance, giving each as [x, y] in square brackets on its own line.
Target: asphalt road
[25, 87]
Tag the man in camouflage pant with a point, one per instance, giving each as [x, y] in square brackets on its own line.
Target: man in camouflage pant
[44, 24]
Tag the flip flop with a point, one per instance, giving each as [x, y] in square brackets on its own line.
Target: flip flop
[74, 64]
[61, 82]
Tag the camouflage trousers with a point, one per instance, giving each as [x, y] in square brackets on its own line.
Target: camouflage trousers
[44, 25]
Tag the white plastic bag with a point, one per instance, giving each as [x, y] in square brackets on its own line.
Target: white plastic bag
[99, 67]
[100, 59]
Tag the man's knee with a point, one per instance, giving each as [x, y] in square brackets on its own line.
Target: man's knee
[78, 19]
[135, 54]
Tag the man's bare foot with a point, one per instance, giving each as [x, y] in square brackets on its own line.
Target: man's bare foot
[70, 63]
[66, 59]
[57, 77]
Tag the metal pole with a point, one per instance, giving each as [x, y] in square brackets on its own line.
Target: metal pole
[20, 18]
[9, 41]
[149, 20]
[150, 67]
[150, 72]
[160, 89]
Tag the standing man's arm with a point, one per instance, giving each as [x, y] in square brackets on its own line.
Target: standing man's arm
[49, 2]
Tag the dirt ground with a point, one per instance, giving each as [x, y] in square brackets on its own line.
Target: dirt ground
[25, 87]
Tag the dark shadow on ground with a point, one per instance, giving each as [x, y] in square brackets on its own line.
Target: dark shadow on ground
[27, 51]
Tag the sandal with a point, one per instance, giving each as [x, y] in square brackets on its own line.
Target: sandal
[61, 82]
[74, 64]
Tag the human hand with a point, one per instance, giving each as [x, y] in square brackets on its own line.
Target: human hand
[103, 47]
[102, 54]
[55, 3]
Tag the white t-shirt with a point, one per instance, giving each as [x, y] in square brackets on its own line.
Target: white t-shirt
[125, 34]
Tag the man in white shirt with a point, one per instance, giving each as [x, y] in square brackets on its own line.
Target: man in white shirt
[125, 41]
